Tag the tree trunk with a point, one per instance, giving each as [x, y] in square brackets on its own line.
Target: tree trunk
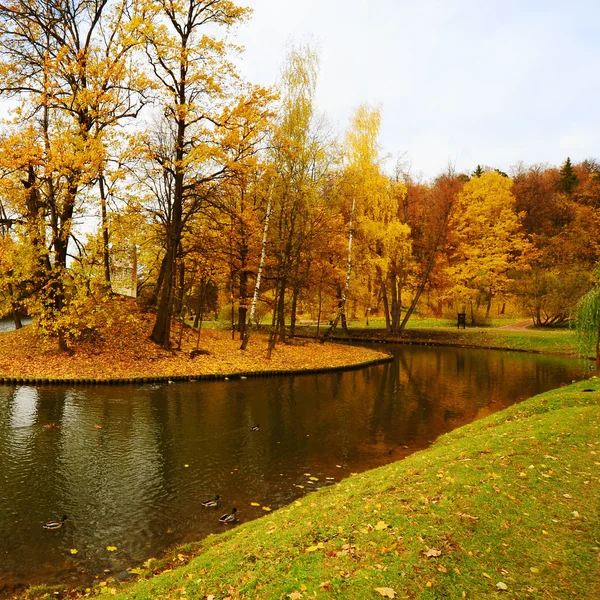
[105, 238]
[342, 306]
[161, 332]
[261, 266]
[295, 293]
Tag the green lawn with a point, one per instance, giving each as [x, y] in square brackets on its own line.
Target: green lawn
[507, 505]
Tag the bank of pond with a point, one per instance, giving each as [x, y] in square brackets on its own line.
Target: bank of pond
[131, 465]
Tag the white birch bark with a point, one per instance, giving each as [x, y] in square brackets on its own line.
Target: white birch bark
[261, 265]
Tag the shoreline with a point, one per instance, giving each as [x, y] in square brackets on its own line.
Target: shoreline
[236, 375]
[482, 496]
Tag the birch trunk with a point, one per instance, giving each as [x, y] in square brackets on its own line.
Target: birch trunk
[246, 334]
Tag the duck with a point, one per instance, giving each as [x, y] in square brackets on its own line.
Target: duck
[55, 524]
[229, 517]
[213, 503]
[255, 428]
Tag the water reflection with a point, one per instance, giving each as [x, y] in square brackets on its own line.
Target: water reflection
[130, 465]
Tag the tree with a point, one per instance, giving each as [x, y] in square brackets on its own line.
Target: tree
[202, 102]
[68, 63]
[487, 241]
[568, 177]
[587, 322]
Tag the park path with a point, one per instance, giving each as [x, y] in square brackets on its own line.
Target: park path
[518, 326]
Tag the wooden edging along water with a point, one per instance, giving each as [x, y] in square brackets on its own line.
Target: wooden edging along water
[405, 342]
[187, 378]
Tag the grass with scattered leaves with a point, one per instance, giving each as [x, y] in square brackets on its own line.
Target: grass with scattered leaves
[507, 505]
[550, 341]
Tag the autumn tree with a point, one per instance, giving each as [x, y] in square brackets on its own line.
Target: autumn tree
[428, 211]
[487, 241]
[68, 63]
[565, 229]
[300, 160]
[202, 102]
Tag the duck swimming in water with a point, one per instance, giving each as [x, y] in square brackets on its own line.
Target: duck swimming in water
[55, 524]
[229, 517]
[255, 428]
[212, 503]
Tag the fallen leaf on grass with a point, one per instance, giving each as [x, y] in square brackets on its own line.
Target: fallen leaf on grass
[254, 504]
[432, 552]
[501, 586]
[266, 508]
[111, 548]
[386, 592]
[318, 546]
[294, 596]
[74, 551]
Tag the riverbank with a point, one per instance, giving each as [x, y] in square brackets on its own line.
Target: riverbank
[124, 353]
[548, 341]
[508, 503]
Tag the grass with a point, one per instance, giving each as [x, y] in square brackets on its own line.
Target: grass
[554, 341]
[510, 501]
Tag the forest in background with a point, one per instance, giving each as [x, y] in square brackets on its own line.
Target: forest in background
[228, 199]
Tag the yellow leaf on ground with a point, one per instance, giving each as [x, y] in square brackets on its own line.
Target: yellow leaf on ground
[501, 585]
[266, 508]
[381, 526]
[74, 551]
[111, 548]
[254, 504]
[386, 592]
[319, 546]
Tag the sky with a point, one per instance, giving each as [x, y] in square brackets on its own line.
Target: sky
[460, 82]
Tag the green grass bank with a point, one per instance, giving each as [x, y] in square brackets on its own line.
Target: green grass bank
[430, 331]
[506, 506]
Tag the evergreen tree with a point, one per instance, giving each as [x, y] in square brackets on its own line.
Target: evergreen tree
[568, 178]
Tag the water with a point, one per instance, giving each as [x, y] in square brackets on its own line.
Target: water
[7, 323]
[131, 465]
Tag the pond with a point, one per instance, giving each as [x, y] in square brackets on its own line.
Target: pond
[130, 465]
[7, 323]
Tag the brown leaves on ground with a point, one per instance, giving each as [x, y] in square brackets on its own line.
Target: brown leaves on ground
[124, 350]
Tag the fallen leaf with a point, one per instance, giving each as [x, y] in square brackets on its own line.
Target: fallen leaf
[501, 585]
[294, 596]
[111, 548]
[74, 551]
[386, 592]
[432, 552]
[266, 508]
[318, 546]
[254, 504]
[381, 525]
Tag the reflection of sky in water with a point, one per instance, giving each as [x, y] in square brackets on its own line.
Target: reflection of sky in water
[7, 324]
[130, 465]
[24, 407]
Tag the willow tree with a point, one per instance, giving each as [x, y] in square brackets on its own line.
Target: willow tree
[587, 323]
[298, 156]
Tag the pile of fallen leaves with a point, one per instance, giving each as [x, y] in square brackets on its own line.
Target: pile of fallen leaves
[124, 350]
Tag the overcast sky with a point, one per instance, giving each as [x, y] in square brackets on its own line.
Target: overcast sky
[462, 81]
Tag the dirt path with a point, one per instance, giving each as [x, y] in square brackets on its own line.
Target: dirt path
[518, 326]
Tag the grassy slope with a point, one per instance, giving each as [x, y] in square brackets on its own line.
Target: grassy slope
[512, 498]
